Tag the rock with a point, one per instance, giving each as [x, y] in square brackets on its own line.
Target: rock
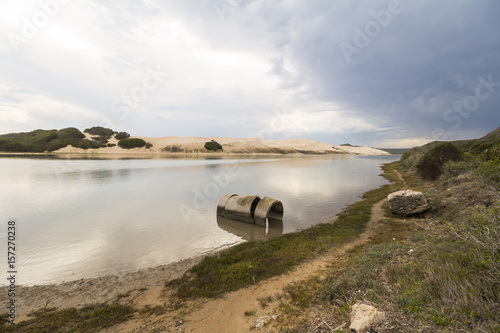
[363, 316]
[261, 321]
[408, 202]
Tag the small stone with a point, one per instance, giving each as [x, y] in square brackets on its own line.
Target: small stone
[363, 316]
[261, 321]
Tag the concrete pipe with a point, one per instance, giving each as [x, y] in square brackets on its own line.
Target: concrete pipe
[240, 208]
[221, 206]
[250, 209]
[268, 208]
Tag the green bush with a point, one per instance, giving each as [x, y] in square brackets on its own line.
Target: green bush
[39, 141]
[70, 133]
[131, 143]
[88, 144]
[122, 135]
[111, 145]
[212, 145]
[148, 145]
[101, 131]
[489, 172]
[431, 164]
[453, 169]
[492, 154]
[10, 146]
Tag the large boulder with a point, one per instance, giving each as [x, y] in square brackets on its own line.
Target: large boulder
[408, 202]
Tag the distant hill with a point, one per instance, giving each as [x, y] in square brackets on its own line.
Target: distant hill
[478, 147]
[492, 136]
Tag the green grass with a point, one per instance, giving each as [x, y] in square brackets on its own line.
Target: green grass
[252, 262]
[250, 313]
[88, 319]
[265, 301]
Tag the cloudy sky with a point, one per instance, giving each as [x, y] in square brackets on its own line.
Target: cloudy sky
[378, 73]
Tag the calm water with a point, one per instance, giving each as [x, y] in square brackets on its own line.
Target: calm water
[88, 217]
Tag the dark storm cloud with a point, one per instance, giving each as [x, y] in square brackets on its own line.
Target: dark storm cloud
[419, 61]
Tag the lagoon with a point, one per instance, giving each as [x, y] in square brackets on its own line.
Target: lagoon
[87, 217]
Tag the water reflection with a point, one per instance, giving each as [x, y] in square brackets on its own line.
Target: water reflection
[94, 176]
[249, 231]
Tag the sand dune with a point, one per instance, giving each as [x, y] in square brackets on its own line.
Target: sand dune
[195, 145]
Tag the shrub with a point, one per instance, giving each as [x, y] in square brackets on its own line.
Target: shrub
[131, 143]
[173, 149]
[111, 145]
[409, 157]
[122, 135]
[148, 145]
[492, 154]
[489, 172]
[431, 164]
[101, 131]
[212, 145]
[56, 144]
[452, 169]
[10, 146]
[88, 144]
[70, 133]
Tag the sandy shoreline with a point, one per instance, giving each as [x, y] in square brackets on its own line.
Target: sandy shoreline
[104, 289]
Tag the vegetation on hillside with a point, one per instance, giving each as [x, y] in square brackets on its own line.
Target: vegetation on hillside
[100, 131]
[43, 140]
[40, 141]
[212, 145]
[122, 135]
[130, 143]
[430, 166]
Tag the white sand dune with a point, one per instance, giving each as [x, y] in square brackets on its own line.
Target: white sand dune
[195, 145]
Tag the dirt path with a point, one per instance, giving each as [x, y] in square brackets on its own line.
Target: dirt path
[227, 314]
[400, 176]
